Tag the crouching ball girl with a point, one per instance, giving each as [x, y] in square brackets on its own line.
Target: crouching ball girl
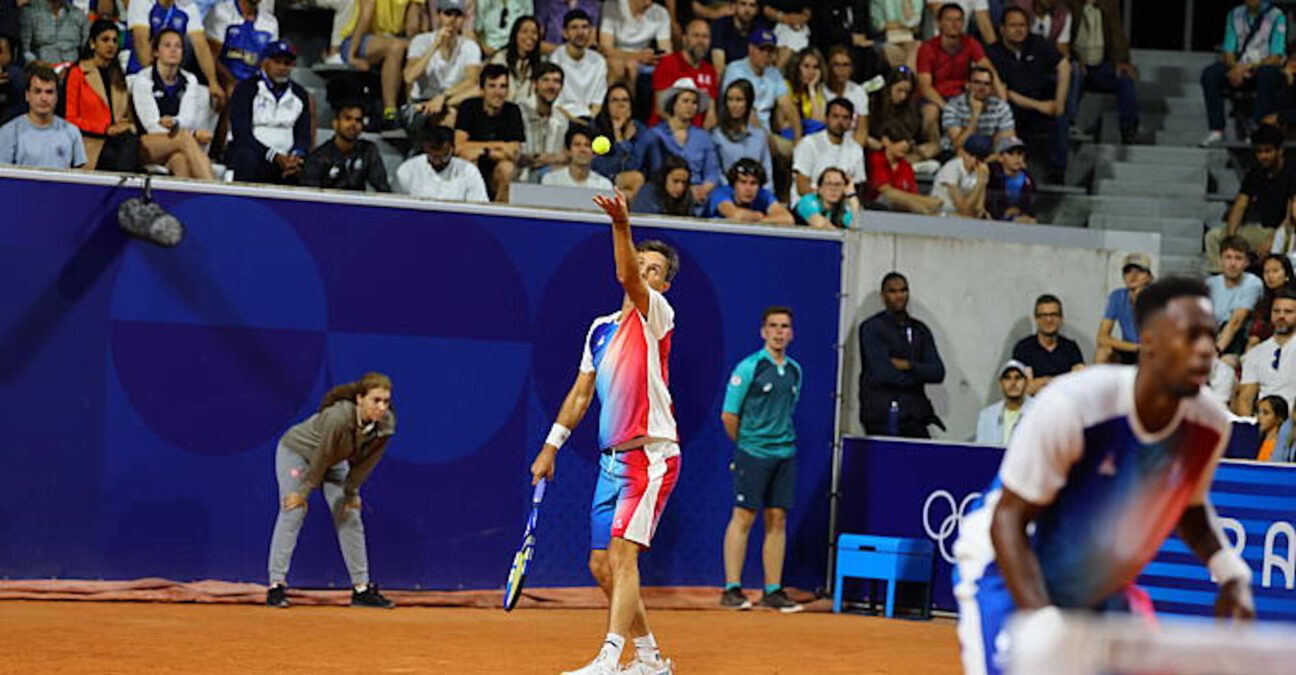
[336, 448]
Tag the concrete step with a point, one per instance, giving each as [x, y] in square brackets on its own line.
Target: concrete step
[1169, 89]
[1182, 139]
[1151, 61]
[1192, 104]
[1153, 154]
[1150, 207]
[1182, 265]
[1177, 245]
[1150, 187]
[1175, 122]
[1177, 228]
[1150, 171]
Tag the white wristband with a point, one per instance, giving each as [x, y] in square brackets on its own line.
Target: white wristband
[557, 435]
[1226, 566]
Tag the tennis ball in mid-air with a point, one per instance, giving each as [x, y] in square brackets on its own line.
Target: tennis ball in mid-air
[602, 145]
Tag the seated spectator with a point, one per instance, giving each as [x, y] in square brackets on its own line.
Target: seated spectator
[974, 15]
[437, 173]
[898, 21]
[731, 33]
[997, 421]
[771, 91]
[546, 126]
[1101, 56]
[961, 183]
[11, 81]
[945, 62]
[898, 102]
[891, 180]
[633, 36]
[744, 200]
[237, 31]
[977, 111]
[831, 147]
[1282, 239]
[676, 135]
[40, 138]
[522, 57]
[1277, 274]
[832, 205]
[550, 15]
[53, 31]
[1264, 371]
[375, 35]
[845, 24]
[804, 75]
[1010, 194]
[1234, 294]
[790, 20]
[1261, 203]
[1048, 353]
[615, 120]
[668, 194]
[580, 154]
[1137, 273]
[1271, 414]
[99, 105]
[270, 117]
[736, 136]
[441, 68]
[173, 111]
[585, 72]
[346, 161]
[146, 18]
[493, 21]
[690, 62]
[489, 131]
[1251, 57]
[1037, 77]
[837, 84]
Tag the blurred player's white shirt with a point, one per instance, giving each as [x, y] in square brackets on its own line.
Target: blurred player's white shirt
[459, 181]
[1111, 491]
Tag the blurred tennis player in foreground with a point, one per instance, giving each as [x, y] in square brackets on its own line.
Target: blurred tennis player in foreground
[625, 359]
[1109, 461]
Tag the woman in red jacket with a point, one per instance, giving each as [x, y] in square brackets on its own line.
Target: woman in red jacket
[99, 104]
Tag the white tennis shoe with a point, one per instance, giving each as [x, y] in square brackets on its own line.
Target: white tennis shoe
[659, 667]
[595, 667]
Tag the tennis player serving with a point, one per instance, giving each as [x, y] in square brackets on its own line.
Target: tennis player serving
[625, 359]
[1109, 461]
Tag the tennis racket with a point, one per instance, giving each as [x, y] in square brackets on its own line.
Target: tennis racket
[517, 574]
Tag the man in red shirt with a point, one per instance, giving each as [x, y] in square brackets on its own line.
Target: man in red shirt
[945, 62]
[891, 180]
[690, 62]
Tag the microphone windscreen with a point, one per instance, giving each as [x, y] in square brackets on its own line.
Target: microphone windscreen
[148, 221]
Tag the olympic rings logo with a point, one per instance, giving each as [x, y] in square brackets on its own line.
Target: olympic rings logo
[948, 527]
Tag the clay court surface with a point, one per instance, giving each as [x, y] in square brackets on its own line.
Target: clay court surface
[132, 637]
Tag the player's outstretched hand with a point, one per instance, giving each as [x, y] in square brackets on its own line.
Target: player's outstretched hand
[1234, 601]
[615, 206]
[543, 466]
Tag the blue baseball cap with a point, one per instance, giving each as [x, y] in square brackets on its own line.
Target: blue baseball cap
[978, 146]
[279, 48]
[762, 37]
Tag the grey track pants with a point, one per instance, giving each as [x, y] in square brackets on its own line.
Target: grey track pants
[289, 467]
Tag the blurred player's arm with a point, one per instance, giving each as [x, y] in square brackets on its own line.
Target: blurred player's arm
[1199, 528]
[572, 412]
[1020, 567]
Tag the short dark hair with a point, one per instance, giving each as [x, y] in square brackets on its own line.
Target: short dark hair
[1284, 293]
[544, 68]
[1267, 134]
[436, 135]
[1158, 294]
[841, 102]
[157, 37]
[1048, 299]
[41, 71]
[895, 130]
[890, 276]
[940, 13]
[577, 130]
[576, 15]
[746, 167]
[1003, 16]
[776, 309]
[980, 69]
[491, 71]
[1235, 243]
[347, 105]
[666, 250]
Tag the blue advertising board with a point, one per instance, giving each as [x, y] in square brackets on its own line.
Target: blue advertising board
[922, 489]
[143, 389]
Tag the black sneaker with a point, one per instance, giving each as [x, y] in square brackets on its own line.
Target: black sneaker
[370, 597]
[780, 601]
[733, 598]
[277, 596]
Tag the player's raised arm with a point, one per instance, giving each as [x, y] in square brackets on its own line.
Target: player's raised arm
[623, 248]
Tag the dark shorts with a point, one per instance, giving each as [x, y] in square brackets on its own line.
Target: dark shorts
[761, 482]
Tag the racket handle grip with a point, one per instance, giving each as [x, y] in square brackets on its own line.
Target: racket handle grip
[538, 493]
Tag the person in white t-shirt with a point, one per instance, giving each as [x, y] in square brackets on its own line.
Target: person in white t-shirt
[580, 154]
[832, 147]
[1264, 370]
[585, 72]
[437, 174]
[634, 35]
[961, 182]
[441, 66]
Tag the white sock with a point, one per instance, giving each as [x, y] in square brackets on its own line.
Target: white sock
[646, 646]
[611, 650]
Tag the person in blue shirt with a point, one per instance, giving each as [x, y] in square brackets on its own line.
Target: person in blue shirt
[743, 199]
[757, 415]
[676, 135]
[1137, 272]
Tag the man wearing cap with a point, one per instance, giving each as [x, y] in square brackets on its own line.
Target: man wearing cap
[771, 90]
[270, 119]
[744, 200]
[831, 148]
[676, 135]
[1010, 194]
[585, 71]
[976, 111]
[690, 62]
[1037, 77]
[1048, 353]
[961, 183]
[1137, 272]
[731, 34]
[997, 421]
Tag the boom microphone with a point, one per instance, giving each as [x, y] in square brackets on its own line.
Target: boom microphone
[141, 217]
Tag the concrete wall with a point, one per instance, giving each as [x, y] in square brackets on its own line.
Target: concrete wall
[975, 284]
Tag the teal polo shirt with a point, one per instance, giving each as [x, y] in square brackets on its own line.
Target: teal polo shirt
[764, 395]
